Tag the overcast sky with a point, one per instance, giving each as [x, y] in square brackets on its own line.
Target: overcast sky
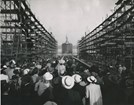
[71, 17]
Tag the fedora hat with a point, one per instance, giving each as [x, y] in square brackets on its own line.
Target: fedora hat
[48, 76]
[67, 82]
[91, 79]
[77, 78]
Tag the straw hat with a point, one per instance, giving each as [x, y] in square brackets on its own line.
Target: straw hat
[5, 67]
[92, 79]
[13, 61]
[67, 82]
[48, 76]
[77, 78]
[26, 71]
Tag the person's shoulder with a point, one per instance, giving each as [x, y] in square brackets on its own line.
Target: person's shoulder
[88, 86]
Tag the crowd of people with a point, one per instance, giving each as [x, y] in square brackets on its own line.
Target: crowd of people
[61, 81]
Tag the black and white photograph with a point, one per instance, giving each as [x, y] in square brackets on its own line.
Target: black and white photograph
[67, 52]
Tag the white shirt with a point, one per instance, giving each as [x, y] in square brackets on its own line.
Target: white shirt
[9, 72]
[4, 77]
[93, 92]
[34, 78]
[61, 69]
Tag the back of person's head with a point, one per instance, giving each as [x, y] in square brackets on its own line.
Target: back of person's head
[14, 77]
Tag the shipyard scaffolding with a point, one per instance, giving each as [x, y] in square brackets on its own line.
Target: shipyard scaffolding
[22, 35]
[112, 42]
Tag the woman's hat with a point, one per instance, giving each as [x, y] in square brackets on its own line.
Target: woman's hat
[77, 78]
[92, 79]
[48, 76]
[67, 82]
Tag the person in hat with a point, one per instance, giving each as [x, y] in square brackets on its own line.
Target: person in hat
[27, 88]
[44, 83]
[44, 88]
[72, 95]
[61, 68]
[14, 90]
[51, 67]
[93, 92]
[10, 69]
[61, 89]
[84, 81]
[79, 88]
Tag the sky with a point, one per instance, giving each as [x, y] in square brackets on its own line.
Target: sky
[71, 18]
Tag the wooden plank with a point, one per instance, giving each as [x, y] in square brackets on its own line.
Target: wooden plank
[13, 0]
[6, 21]
[11, 11]
[7, 41]
[87, 65]
[11, 33]
[9, 27]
